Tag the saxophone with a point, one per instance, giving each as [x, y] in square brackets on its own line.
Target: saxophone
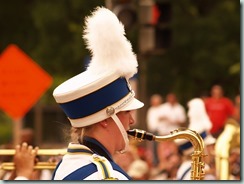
[197, 165]
[229, 139]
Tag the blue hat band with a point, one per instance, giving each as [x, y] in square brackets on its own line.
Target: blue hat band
[96, 101]
[188, 144]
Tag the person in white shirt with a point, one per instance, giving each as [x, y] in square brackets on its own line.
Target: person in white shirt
[153, 122]
[199, 122]
[153, 113]
[172, 115]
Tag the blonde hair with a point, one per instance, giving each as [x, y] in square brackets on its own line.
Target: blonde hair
[77, 133]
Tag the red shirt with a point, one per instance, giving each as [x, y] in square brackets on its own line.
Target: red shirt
[218, 110]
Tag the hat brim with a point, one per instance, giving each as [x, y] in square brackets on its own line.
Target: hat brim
[133, 105]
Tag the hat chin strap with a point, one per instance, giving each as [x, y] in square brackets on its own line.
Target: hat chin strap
[123, 132]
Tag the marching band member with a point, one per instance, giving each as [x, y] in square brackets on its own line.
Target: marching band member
[98, 102]
[198, 121]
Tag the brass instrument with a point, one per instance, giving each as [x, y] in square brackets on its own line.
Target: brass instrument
[197, 166]
[227, 140]
[39, 165]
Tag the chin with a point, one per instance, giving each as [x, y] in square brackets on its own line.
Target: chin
[121, 149]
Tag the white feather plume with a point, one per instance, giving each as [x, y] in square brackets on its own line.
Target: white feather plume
[105, 38]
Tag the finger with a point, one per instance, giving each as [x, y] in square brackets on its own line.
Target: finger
[17, 148]
[36, 148]
[30, 149]
[24, 146]
[33, 152]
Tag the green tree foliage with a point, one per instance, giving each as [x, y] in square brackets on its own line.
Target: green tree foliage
[5, 129]
[205, 50]
[50, 32]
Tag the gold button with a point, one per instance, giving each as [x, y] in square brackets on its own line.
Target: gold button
[110, 111]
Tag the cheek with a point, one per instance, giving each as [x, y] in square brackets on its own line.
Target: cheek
[125, 122]
[126, 119]
[133, 114]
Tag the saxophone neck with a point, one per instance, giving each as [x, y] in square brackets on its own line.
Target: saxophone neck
[141, 135]
[181, 133]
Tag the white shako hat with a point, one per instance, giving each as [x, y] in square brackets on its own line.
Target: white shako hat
[103, 89]
[198, 121]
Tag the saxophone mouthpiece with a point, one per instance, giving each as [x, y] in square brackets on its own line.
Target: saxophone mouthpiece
[141, 135]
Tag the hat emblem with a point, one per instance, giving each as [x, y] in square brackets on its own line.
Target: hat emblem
[110, 111]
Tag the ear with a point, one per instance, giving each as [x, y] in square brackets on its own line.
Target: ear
[104, 123]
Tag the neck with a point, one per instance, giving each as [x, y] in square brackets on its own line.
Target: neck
[102, 135]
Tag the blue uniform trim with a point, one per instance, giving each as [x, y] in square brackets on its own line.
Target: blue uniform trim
[188, 144]
[97, 147]
[97, 100]
[184, 174]
[54, 172]
[84, 172]
[70, 150]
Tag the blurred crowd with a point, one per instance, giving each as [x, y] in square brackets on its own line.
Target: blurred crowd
[215, 117]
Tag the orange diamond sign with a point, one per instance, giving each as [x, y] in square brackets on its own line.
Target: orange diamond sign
[22, 82]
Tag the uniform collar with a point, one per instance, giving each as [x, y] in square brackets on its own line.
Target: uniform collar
[97, 147]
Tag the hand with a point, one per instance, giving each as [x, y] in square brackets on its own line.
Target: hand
[24, 160]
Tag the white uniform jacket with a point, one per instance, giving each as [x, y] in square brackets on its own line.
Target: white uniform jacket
[90, 161]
